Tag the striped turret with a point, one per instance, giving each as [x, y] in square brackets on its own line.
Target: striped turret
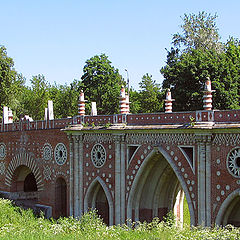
[81, 104]
[168, 102]
[207, 97]
[124, 102]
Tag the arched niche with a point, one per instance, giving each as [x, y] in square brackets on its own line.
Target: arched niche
[98, 197]
[60, 198]
[156, 188]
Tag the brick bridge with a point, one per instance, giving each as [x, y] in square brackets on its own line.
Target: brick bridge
[127, 166]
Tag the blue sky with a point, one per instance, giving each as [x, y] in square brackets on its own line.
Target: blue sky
[55, 38]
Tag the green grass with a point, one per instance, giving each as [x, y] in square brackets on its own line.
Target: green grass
[16, 223]
[186, 213]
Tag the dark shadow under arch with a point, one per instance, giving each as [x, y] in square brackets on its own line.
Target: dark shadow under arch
[60, 198]
[23, 180]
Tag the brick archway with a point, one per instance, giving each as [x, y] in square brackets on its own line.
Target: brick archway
[148, 168]
[90, 197]
[25, 160]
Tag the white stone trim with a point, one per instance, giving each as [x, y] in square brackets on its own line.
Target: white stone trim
[107, 193]
[26, 160]
[187, 158]
[129, 145]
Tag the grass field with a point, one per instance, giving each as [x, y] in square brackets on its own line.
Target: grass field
[16, 223]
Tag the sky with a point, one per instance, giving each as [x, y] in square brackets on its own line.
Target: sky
[56, 37]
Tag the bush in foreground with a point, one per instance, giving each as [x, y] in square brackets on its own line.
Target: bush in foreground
[16, 223]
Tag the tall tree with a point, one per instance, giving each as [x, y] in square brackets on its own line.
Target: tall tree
[35, 97]
[198, 31]
[101, 83]
[150, 96]
[198, 54]
[186, 74]
[65, 99]
[10, 82]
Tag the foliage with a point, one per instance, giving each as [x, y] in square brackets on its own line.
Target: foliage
[202, 56]
[186, 74]
[198, 32]
[135, 104]
[150, 96]
[101, 83]
[35, 98]
[16, 223]
[10, 82]
[65, 99]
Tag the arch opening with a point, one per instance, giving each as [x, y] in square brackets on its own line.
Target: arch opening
[231, 214]
[60, 198]
[24, 190]
[97, 199]
[156, 191]
[23, 180]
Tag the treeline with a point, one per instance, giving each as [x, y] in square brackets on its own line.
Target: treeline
[101, 83]
[196, 54]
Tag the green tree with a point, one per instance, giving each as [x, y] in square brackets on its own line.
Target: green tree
[35, 97]
[101, 83]
[135, 104]
[65, 99]
[11, 82]
[186, 74]
[198, 31]
[198, 54]
[150, 96]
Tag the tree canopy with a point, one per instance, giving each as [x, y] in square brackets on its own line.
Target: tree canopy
[11, 82]
[198, 31]
[203, 56]
[150, 96]
[101, 83]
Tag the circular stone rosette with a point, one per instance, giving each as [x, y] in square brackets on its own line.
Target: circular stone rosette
[233, 162]
[60, 154]
[47, 152]
[98, 155]
[3, 151]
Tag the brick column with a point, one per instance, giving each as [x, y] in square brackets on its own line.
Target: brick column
[117, 139]
[123, 172]
[76, 176]
[80, 172]
[71, 175]
[204, 179]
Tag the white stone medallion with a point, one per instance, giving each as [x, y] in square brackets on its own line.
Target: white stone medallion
[233, 162]
[47, 152]
[60, 154]
[98, 155]
[3, 151]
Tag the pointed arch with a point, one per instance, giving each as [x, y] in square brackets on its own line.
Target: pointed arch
[25, 160]
[143, 173]
[91, 191]
[226, 208]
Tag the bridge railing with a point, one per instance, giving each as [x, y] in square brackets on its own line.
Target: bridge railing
[220, 116]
